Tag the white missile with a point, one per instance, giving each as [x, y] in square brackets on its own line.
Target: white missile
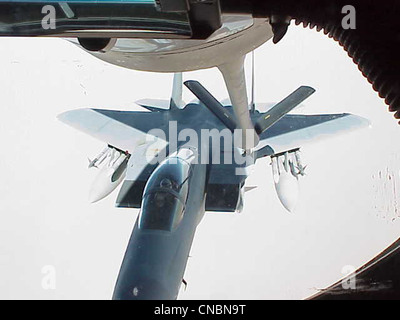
[109, 176]
[301, 169]
[286, 182]
[99, 159]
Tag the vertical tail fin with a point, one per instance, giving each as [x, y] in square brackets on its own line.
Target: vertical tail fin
[176, 97]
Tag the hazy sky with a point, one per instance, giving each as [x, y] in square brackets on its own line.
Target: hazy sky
[347, 213]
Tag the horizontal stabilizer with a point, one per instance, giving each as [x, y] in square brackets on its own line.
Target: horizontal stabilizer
[249, 188]
[286, 105]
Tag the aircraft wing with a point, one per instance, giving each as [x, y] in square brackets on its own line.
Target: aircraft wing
[124, 130]
[294, 131]
[127, 131]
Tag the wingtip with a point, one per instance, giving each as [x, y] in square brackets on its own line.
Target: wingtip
[66, 116]
[363, 122]
[63, 116]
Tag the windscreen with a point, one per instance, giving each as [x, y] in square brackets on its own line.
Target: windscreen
[165, 196]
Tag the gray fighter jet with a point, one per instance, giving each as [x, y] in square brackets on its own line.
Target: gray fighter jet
[184, 159]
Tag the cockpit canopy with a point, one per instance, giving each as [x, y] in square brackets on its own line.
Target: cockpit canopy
[165, 196]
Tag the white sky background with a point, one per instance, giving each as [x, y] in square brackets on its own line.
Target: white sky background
[345, 216]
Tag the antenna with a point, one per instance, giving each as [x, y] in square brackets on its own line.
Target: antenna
[252, 103]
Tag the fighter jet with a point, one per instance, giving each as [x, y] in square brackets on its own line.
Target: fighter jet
[185, 159]
[174, 190]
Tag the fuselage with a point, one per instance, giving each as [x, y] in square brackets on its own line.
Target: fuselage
[158, 250]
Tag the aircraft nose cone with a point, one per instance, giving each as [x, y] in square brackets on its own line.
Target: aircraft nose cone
[142, 289]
